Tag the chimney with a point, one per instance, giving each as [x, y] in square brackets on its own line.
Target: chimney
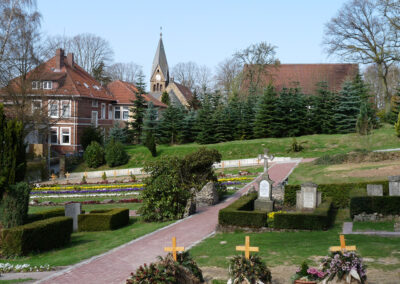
[59, 58]
[70, 59]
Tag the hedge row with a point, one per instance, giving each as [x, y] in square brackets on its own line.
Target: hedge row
[37, 236]
[103, 220]
[321, 218]
[386, 205]
[46, 214]
[241, 213]
[340, 193]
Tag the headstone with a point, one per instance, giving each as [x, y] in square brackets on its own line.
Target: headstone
[308, 197]
[73, 210]
[394, 185]
[375, 190]
[397, 226]
[264, 201]
[207, 196]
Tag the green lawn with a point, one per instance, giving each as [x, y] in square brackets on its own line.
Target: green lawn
[88, 207]
[374, 226]
[84, 245]
[19, 280]
[315, 146]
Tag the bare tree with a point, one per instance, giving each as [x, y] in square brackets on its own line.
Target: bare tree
[360, 33]
[256, 59]
[227, 75]
[391, 10]
[186, 74]
[127, 72]
[204, 80]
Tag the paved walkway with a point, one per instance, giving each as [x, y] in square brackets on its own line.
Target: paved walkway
[116, 265]
[348, 229]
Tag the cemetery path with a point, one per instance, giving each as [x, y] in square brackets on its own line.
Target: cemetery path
[116, 265]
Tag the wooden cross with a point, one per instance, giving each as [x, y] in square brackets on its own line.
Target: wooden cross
[265, 157]
[53, 176]
[247, 248]
[85, 174]
[343, 246]
[67, 175]
[115, 174]
[174, 248]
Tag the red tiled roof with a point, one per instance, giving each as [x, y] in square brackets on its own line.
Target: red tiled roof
[125, 93]
[185, 92]
[306, 76]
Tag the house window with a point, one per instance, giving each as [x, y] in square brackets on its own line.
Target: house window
[103, 111]
[125, 113]
[117, 112]
[66, 108]
[54, 135]
[53, 108]
[110, 112]
[47, 85]
[35, 85]
[95, 117]
[95, 103]
[65, 136]
[36, 106]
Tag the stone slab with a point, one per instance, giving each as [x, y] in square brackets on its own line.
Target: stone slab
[394, 178]
[374, 190]
[394, 188]
[264, 205]
[73, 210]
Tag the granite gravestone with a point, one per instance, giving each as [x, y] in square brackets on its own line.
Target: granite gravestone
[264, 201]
[308, 198]
[73, 210]
[394, 185]
[374, 190]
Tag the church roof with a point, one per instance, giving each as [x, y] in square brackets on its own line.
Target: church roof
[160, 59]
[185, 91]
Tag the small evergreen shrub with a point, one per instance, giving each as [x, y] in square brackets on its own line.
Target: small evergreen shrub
[103, 220]
[14, 205]
[89, 135]
[118, 134]
[116, 154]
[104, 176]
[386, 205]
[250, 270]
[150, 144]
[37, 236]
[94, 155]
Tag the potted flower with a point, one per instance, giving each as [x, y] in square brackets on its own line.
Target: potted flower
[307, 275]
[346, 267]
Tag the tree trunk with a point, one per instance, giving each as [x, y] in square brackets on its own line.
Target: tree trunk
[387, 96]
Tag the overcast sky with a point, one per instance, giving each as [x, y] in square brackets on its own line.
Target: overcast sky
[202, 31]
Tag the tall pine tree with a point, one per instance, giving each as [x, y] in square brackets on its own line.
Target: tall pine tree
[170, 126]
[348, 109]
[138, 109]
[266, 114]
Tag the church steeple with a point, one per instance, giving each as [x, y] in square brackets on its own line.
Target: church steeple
[159, 77]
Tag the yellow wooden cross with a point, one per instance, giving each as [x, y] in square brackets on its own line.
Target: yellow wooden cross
[67, 175]
[247, 248]
[115, 174]
[174, 248]
[53, 176]
[343, 246]
[85, 174]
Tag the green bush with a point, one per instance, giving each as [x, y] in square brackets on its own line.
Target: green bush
[241, 213]
[14, 205]
[37, 236]
[340, 193]
[321, 218]
[116, 154]
[252, 270]
[103, 220]
[386, 205]
[46, 214]
[89, 135]
[94, 155]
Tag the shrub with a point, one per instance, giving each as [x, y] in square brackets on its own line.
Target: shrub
[150, 144]
[103, 220]
[118, 134]
[241, 213]
[14, 206]
[37, 236]
[321, 219]
[46, 214]
[340, 193]
[104, 176]
[116, 154]
[397, 126]
[89, 135]
[94, 155]
[250, 270]
[386, 205]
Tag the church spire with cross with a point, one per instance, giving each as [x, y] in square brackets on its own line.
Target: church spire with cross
[159, 77]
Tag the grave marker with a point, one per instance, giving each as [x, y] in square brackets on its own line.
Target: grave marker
[308, 197]
[247, 248]
[264, 200]
[343, 246]
[73, 210]
[53, 177]
[67, 175]
[394, 186]
[174, 248]
[374, 190]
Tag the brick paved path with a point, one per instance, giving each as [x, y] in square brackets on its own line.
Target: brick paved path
[116, 265]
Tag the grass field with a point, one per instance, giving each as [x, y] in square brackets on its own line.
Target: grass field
[374, 226]
[84, 245]
[20, 280]
[314, 146]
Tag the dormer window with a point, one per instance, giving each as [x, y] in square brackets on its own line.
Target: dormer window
[47, 85]
[35, 85]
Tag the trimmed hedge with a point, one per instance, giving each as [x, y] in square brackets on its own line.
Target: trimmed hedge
[340, 193]
[103, 220]
[37, 236]
[321, 218]
[46, 214]
[241, 213]
[386, 205]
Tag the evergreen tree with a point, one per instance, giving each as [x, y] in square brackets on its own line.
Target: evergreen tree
[165, 98]
[234, 106]
[150, 144]
[266, 114]
[189, 130]
[205, 123]
[138, 109]
[363, 125]
[194, 103]
[397, 126]
[247, 113]
[325, 105]
[118, 134]
[100, 75]
[348, 109]
[366, 100]
[223, 124]
[170, 126]
[150, 122]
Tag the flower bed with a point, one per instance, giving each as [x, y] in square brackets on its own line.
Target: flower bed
[37, 192]
[77, 188]
[8, 267]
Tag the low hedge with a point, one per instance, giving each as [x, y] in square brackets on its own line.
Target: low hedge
[321, 218]
[241, 213]
[386, 205]
[46, 214]
[340, 193]
[103, 220]
[37, 236]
